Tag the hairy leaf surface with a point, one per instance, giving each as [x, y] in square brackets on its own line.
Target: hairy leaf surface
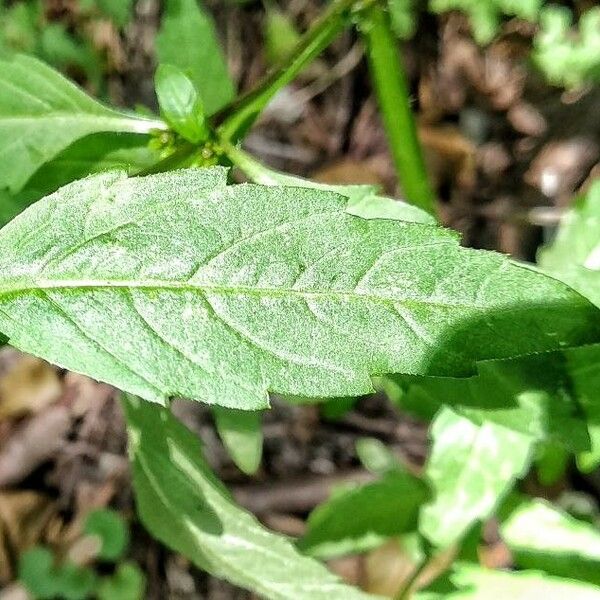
[178, 285]
[182, 503]
[363, 200]
[41, 113]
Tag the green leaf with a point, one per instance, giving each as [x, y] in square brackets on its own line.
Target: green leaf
[92, 154]
[241, 433]
[59, 48]
[568, 57]
[75, 582]
[551, 462]
[281, 36]
[540, 395]
[180, 105]
[109, 526]
[187, 39]
[541, 536]
[118, 10]
[375, 456]
[41, 113]
[470, 469]
[182, 504]
[37, 573]
[485, 15]
[46, 581]
[574, 255]
[403, 17]
[331, 409]
[178, 285]
[363, 200]
[19, 26]
[127, 583]
[362, 518]
[477, 583]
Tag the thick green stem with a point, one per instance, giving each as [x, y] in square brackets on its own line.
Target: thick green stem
[391, 87]
[236, 119]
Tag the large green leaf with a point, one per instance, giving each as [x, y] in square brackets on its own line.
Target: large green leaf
[178, 285]
[41, 113]
[470, 469]
[541, 536]
[187, 39]
[182, 503]
[361, 518]
[476, 583]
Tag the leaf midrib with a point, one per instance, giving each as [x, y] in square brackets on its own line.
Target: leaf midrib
[208, 289]
[132, 121]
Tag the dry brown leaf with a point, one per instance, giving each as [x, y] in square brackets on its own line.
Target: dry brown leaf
[24, 517]
[390, 567]
[449, 154]
[28, 386]
[32, 444]
[349, 172]
[387, 569]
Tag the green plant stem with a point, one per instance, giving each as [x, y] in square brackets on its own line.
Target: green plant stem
[391, 87]
[236, 118]
[251, 167]
[406, 590]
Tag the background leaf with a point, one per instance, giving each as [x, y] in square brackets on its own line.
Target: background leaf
[541, 536]
[470, 469]
[183, 505]
[109, 526]
[241, 432]
[187, 39]
[359, 519]
[539, 395]
[476, 583]
[42, 113]
[574, 255]
[127, 583]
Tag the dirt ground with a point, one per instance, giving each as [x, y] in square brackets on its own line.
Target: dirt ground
[506, 153]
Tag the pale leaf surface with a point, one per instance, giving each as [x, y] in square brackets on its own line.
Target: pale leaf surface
[476, 583]
[178, 285]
